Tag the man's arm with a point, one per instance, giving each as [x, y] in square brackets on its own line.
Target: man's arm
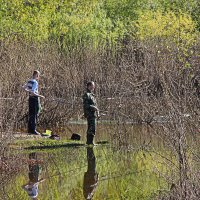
[87, 105]
[32, 91]
[25, 186]
[41, 180]
[34, 94]
[37, 95]
[95, 108]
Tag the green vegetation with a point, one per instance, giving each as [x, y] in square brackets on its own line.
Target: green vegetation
[44, 143]
[97, 22]
[181, 29]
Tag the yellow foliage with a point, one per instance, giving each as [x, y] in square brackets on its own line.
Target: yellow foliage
[179, 28]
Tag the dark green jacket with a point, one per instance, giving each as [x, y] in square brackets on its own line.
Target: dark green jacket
[89, 102]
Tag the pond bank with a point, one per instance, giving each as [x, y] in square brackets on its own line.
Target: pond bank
[24, 141]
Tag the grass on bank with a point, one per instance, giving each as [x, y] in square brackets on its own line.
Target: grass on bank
[46, 143]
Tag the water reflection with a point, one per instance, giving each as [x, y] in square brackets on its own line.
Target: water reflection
[91, 176]
[34, 173]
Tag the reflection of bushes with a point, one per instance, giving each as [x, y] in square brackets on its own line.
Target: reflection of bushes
[121, 174]
[9, 168]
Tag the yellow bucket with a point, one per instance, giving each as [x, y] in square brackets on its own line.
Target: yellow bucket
[48, 132]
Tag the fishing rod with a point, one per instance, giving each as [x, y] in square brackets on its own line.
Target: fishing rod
[58, 100]
[6, 98]
[100, 114]
[75, 98]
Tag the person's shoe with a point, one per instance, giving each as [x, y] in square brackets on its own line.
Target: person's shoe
[35, 133]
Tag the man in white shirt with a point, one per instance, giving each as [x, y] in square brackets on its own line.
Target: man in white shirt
[32, 87]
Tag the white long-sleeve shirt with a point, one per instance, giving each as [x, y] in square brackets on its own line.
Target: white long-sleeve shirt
[31, 86]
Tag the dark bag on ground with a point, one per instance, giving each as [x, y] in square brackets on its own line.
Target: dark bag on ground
[75, 136]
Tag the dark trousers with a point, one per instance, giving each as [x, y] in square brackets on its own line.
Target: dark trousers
[33, 114]
[34, 168]
[91, 126]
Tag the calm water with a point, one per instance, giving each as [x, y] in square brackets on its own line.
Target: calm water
[127, 168]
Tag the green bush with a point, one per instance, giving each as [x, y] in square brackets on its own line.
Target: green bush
[94, 22]
[179, 28]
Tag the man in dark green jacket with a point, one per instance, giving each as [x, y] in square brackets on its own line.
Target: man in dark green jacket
[91, 112]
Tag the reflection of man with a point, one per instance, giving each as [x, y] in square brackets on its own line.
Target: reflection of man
[34, 171]
[91, 176]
